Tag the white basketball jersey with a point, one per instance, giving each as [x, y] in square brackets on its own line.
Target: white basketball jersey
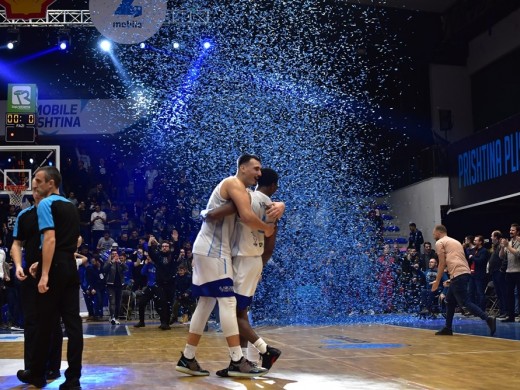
[214, 238]
[246, 241]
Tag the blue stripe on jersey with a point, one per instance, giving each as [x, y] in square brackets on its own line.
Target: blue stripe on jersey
[15, 230]
[217, 235]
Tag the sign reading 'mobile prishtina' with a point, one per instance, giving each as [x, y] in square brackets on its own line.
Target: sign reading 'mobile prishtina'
[128, 21]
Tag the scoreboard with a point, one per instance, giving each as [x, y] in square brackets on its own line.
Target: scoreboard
[20, 127]
[20, 113]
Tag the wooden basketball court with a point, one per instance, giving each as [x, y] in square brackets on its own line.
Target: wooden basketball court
[367, 356]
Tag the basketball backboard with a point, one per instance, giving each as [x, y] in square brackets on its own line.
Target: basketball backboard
[18, 164]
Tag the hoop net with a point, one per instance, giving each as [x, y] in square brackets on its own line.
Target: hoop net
[15, 194]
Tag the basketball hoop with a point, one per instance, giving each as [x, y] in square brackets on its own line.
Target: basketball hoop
[16, 194]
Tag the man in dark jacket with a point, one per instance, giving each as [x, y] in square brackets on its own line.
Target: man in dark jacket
[166, 266]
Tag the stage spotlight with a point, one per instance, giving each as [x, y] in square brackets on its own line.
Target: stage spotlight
[64, 39]
[105, 45]
[176, 45]
[142, 45]
[13, 38]
[206, 45]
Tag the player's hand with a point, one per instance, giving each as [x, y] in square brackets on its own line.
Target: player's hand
[42, 285]
[275, 211]
[435, 286]
[20, 275]
[32, 270]
[269, 231]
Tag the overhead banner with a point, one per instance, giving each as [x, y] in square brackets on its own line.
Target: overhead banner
[82, 117]
[128, 21]
[34, 9]
[486, 166]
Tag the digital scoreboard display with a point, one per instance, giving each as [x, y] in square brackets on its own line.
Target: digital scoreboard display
[20, 126]
[20, 119]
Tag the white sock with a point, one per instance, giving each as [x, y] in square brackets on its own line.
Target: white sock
[252, 352]
[189, 351]
[244, 351]
[235, 353]
[261, 345]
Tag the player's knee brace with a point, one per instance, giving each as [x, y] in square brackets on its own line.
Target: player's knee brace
[204, 308]
[228, 315]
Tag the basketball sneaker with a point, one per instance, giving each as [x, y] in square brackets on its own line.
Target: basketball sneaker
[190, 367]
[245, 369]
[269, 357]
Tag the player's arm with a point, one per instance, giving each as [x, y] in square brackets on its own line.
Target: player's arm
[48, 248]
[219, 212]
[16, 255]
[269, 243]
[240, 197]
[79, 256]
[275, 211]
[440, 268]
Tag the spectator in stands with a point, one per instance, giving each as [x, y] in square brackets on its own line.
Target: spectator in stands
[120, 181]
[159, 223]
[149, 292]
[189, 260]
[114, 270]
[128, 294]
[415, 239]
[133, 240]
[84, 158]
[84, 222]
[98, 218]
[468, 245]
[5, 277]
[96, 286]
[72, 198]
[99, 195]
[165, 278]
[498, 274]
[114, 221]
[426, 256]
[477, 260]
[84, 281]
[81, 182]
[125, 221]
[139, 257]
[387, 276]
[150, 175]
[105, 243]
[429, 297]
[123, 242]
[510, 250]
[183, 297]
[102, 173]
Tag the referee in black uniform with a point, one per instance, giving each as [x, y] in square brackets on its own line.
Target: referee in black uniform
[26, 232]
[58, 284]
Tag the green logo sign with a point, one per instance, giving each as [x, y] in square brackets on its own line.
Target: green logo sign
[22, 98]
